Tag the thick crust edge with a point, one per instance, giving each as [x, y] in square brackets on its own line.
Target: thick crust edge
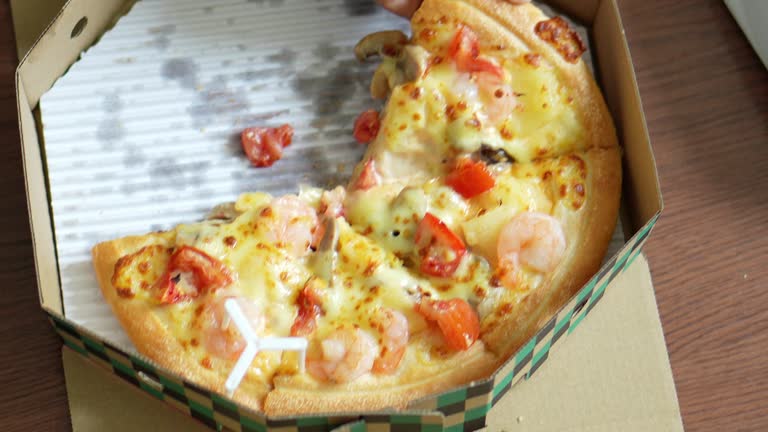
[290, 397]
[145, 329]
[589, 232]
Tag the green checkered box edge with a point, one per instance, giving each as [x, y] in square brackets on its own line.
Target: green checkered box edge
[463, 409]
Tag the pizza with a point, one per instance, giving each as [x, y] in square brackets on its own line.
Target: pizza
[487, 196]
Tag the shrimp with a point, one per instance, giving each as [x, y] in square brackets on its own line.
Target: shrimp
[220, 335]
[498, 98]
[531, 239]
[292, 224]
[344, 356]
[393, 326]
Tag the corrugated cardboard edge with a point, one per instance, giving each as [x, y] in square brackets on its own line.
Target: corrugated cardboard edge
[463, 408]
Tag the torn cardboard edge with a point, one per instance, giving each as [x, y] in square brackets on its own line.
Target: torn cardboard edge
[54, 52]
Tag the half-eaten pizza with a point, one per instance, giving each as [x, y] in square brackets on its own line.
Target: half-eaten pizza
[487, 196]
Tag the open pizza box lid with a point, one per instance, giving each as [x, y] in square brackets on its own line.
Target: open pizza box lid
[82, 22]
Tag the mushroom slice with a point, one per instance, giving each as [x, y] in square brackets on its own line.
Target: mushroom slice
[323, 261]
[413, 62]
[223, 213]
[384, 43]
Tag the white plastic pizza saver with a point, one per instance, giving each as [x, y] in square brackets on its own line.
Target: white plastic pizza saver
[254, 344]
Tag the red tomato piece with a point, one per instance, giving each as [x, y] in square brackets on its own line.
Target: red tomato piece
[470, 178]
[367, 126]
[308, 302]
[456, 319]
[465, 52]
[167, 290]
[368, 178]
[264, 146]
[440, 249]
[195, 267]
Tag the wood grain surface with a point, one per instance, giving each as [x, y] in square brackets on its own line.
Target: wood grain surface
[705, 95]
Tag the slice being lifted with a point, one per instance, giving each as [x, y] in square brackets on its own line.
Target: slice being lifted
[486, 198]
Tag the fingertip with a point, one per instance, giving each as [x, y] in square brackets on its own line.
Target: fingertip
[405, 8]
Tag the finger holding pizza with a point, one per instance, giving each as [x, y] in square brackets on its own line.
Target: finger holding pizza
[406, 8]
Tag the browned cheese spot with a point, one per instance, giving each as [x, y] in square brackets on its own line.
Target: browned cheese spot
[369, 269]
[135, 269]
[533, 59]
[450, 112]
[199, 309]
[556, 32]
[504, 309]
[206, 362]
[144, 267]
[427, 34]
[230, 241]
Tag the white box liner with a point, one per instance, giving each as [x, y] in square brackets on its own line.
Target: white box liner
[143, 132]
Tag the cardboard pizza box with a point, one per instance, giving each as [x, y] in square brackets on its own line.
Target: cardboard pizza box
[82, 22]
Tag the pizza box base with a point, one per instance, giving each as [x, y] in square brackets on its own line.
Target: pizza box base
[630, 389]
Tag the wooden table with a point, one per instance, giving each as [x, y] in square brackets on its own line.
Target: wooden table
[706, 101]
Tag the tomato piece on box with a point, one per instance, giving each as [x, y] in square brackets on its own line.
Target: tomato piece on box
[264, 146]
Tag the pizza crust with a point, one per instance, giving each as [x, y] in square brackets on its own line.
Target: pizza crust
[296, 394]
[589, 231]
[149, 334]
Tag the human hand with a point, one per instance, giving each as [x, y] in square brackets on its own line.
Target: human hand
[406, 8]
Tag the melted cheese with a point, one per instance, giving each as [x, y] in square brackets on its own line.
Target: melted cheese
[427, 123]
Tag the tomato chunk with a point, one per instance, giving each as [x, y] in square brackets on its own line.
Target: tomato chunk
[367, 126]
[308, 302]
[199, 272]
[470, 178]
[439, 248]
[264, 146]
[465, 52]
[456, 319]
[168, 292]
[368, 177]
[208, 273]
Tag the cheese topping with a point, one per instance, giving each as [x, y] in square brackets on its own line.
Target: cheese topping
[374, 257]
